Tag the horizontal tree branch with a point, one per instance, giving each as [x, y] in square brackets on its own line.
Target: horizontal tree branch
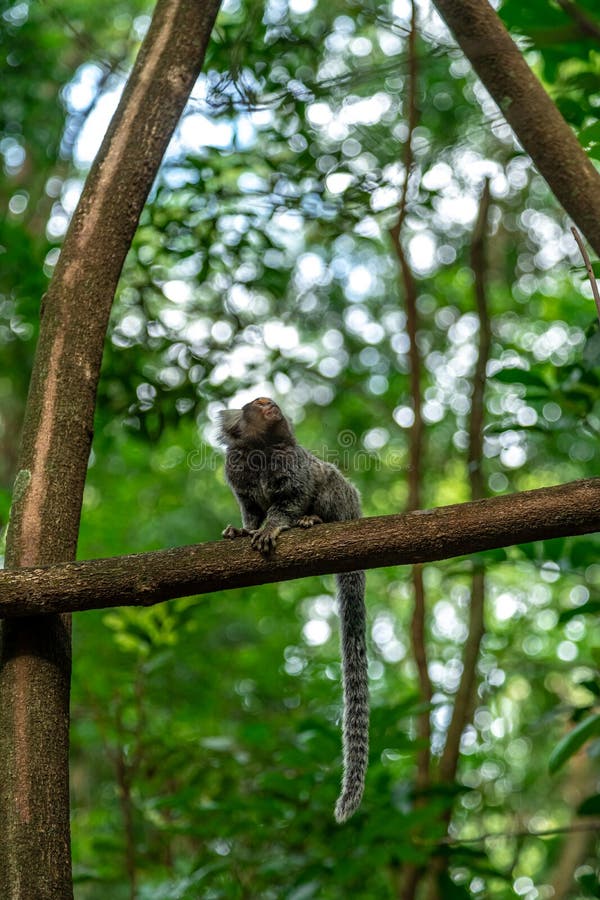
[417, 537]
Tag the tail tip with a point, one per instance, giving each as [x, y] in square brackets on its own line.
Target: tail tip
[346, 806]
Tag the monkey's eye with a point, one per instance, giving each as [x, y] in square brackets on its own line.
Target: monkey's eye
[263, 401]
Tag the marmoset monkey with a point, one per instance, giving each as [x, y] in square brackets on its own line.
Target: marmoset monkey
[280, 485]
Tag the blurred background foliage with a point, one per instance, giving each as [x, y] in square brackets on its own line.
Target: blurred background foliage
[206, 749]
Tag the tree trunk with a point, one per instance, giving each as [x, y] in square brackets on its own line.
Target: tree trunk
[35, 654]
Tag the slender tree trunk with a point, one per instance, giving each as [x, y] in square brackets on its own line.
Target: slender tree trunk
[464, 699]
[35, 654]
[466, 695]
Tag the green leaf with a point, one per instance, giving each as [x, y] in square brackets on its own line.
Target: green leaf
[521, 376]
[591, 351]
[554, 549]
[572, 741]
[592, 685]
[592, 607]
[589, 883]
[591, 133]
[590, 806]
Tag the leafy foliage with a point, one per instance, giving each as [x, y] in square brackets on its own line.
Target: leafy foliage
[205, 731]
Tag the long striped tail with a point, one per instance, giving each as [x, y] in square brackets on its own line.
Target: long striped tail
[351, 594]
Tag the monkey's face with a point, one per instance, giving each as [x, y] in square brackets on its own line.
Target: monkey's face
[263, 411]
[258, 422]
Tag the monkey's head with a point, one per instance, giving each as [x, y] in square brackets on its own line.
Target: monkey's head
[255, 424]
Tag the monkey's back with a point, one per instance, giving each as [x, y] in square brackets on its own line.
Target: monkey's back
[263, 474]
[335, 499]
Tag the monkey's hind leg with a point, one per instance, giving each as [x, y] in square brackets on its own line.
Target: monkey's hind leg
[232, 532]
[309, 521]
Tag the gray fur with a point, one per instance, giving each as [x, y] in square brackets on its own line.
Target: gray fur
[280, 485]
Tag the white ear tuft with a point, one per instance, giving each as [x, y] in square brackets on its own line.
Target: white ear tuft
[229, 420]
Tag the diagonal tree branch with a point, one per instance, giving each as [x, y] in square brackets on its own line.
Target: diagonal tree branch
[587, 26]
[528, 109]
[144, 579]
[35, 656]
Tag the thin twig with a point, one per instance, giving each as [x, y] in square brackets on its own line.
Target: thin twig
[588, 825]
[588, 266]
[587, 26]
[479, 268]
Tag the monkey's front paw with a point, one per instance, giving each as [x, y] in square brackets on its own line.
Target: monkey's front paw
[309, 521]
[265, 539]
[232, 532]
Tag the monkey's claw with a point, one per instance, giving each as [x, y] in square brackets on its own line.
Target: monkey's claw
[265, 539]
